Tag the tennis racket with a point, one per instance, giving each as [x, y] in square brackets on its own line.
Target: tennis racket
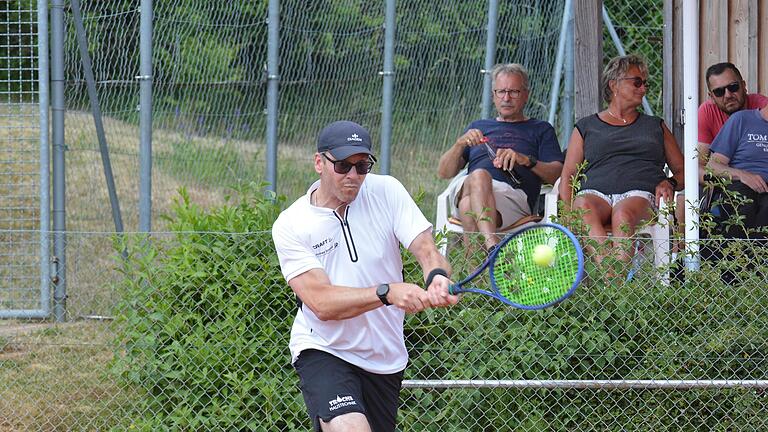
[533, 268]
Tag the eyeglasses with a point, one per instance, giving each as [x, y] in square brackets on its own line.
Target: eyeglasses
[636, 81]
[342, 167]
[512, 93]
[720, 91]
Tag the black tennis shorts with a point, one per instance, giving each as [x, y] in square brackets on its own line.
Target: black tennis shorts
[332, 387]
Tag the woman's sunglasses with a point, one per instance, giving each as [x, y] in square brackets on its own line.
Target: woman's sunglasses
[720, 91]
[637, 81]
[342, 167]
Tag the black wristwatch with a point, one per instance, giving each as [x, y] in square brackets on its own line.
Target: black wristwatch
[532, 161]
[382, 292]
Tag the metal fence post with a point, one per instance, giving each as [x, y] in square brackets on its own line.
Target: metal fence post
[490, 56]
[388, 78]
[93, 97]
[145, 117]
[59, 186]
[557, 73]
[690, 124]
[45, 193]
[273, 78]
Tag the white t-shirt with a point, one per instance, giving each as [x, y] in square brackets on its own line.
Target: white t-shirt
[362, 253]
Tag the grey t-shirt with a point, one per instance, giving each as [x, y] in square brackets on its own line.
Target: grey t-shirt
[622, 158]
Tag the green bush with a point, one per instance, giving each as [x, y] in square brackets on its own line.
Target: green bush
[205, 316]
[701, 329]
[204, 320]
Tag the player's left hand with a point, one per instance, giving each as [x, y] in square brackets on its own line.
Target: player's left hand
[438, 293]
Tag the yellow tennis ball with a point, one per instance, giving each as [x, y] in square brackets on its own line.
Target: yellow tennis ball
[543, 255]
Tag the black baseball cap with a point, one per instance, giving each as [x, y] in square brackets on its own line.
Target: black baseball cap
[343, 139]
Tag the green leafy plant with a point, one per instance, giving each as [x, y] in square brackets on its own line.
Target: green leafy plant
[204, 319]
[205, 314]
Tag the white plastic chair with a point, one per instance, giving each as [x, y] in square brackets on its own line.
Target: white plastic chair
[658, 232]
[444, 219]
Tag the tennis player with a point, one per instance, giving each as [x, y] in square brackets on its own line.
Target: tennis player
[339, 250]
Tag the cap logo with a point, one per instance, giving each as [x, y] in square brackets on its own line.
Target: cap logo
[355, 137]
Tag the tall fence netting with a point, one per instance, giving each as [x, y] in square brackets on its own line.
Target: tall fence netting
[210, 82]
[20, 179]
[188, 330]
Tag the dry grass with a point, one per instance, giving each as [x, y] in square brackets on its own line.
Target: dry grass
[19, 164]
[56, 379]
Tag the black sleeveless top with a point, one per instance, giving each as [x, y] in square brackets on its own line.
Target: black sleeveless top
[622, 158]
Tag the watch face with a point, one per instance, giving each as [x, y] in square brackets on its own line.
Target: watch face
[382, 290]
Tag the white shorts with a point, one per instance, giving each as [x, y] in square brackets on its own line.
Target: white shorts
[511, 203]
[613, 199]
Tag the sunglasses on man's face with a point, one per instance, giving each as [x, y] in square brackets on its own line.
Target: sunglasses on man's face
[342, 167]
[720, 91]
[636, 81]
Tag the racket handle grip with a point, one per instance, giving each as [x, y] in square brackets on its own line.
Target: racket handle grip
[452, 289]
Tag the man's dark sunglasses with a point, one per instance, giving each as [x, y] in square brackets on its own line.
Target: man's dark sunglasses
[720, 91]
[637, 81]
[342, 167]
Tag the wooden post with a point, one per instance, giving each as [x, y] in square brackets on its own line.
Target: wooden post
[673, 72]
[588, 56]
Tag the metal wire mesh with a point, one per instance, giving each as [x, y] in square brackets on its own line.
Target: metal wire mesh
[19, 157]
[210, 86]
[640, 29]
[190, 332]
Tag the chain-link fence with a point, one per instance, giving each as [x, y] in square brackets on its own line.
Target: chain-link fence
[210, 87]
[190, 331]
[20, 159]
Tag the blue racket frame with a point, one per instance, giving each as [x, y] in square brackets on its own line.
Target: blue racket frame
[489, 262]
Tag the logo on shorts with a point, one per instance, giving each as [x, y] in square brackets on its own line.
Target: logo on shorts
[341, 402]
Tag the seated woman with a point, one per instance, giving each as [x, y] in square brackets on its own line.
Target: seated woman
[615, 159]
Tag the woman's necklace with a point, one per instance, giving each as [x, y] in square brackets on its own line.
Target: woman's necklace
[615, 116]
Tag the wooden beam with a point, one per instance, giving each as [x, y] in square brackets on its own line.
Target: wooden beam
[588, 56]
[713, 38]
[738, 36]
[753, 55]
[674, 19]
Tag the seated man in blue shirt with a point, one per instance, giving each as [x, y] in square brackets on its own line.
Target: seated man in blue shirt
[740, 152]
[501, 190]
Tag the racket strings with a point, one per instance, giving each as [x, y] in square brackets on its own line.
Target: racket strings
[518, 278]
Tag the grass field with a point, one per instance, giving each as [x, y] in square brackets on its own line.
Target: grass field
[55, 378]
